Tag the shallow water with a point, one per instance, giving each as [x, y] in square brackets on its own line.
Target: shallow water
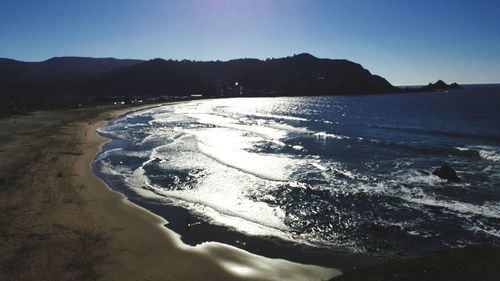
[334, 172]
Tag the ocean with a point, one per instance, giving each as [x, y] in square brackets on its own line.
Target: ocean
[349, 173]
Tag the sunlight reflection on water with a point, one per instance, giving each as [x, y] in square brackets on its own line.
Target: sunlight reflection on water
[323, 170]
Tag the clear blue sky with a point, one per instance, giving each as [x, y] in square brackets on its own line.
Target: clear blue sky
[407, 42]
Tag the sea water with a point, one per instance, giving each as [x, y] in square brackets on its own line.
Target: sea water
[349, 172]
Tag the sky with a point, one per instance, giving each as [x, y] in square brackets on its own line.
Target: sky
[406, 42]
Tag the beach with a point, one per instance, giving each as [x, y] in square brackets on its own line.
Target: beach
[60, 222]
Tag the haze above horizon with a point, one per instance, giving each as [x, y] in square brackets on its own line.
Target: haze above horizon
[407, 43]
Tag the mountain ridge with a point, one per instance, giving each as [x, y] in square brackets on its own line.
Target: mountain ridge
[302, 74]
[297, 75]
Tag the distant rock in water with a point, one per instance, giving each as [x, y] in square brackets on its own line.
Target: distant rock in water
[440, 85]
[446, 172]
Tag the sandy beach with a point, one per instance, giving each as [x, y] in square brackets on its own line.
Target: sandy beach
[60, 222]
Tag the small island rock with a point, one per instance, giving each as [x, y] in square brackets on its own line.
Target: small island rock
[440, 85]
[446, 172]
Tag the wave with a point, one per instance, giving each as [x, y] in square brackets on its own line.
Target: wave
[480, 227]
[227, 205]
[220, 121]
[330, 135]
[271, 167]
[216, 198]
[490, 155]
[404, 186]
[319, 166]
[487, 209]
[105, 153]
[109, 132]
[279, 117]
[256, 171]
[485, 152]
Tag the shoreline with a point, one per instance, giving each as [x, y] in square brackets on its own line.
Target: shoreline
[212, 253]
[88, 231]
[353, 266]
[61, 222]
[203, 231]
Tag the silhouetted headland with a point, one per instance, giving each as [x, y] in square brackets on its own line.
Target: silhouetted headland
[302, 74]
[74, 80]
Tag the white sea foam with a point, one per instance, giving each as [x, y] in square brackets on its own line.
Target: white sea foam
[329, 135]
[415, 177]
[346, 173]
[230, 146]
[488, 209]
[416, 195]
[319, 166]
[107, 169]
[490, 155]
[217, 198]
[105, 153]
[108, 132]
[480, 227]
[277, 142]
[227, 203]
[280, 117]
[266, 131]
[272, 167]
[486, 152]
[136, 125]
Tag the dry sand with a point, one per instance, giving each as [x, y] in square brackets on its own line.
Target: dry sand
[58, 221]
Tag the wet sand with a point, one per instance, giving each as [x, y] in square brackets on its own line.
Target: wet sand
[60, 222]
[199, 231]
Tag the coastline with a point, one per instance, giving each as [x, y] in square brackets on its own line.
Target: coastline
[88, 231]
[61, 222]
[458, 264]
[270, 247]
[202, 231]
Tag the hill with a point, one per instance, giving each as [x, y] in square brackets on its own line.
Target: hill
[302, 74]
[52, 75]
